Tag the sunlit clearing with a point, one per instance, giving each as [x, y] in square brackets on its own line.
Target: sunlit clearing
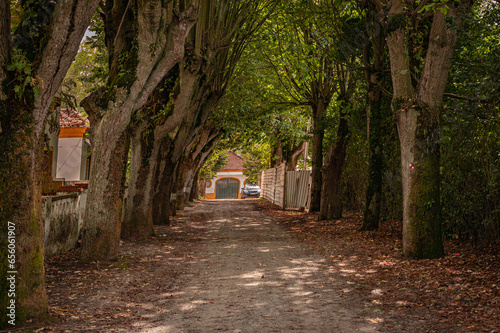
[192, 305]
[160, 329]
[375, 320]
[252, 275]
[385, 263]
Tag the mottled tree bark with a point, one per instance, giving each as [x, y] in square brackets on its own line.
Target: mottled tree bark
[49, 42]
[135, 71]
[417, 113]
[169, 174]
[146, 140]
[137, 220]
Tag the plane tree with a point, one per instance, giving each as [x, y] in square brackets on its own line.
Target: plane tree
[299, 49]
[421, 38]
[39, 40]
[213, 49]
[145, 41]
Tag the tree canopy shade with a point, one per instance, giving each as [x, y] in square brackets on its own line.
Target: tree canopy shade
[215, 49]
[163, 95]
[205, 55]
[35, 54]
[471, 131]
[300, 50]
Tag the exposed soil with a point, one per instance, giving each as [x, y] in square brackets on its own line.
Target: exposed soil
[244, 266]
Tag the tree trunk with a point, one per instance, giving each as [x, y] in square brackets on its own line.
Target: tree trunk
[135, 71]
[198, 157]
[137, 220]
[291, 163]
[102, 228]
[419, 138]
[317, 154]
[189, 179]
[161, 201]
[22, 225]
[179, 185]
[194, 194]
[331, 195]
[375, 166]
[375, 81]
[417, 117]
[55, 34]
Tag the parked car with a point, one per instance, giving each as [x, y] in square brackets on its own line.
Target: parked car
[250, 191]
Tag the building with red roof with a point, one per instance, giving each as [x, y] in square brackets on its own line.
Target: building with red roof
[229, 181]
[73, 160]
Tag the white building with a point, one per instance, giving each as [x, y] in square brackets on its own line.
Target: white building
[73, 160]
[229, 181]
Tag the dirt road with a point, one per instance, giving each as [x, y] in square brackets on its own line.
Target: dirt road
[252, 277]
[223, 266]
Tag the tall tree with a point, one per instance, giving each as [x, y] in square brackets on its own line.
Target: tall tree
[145, 40]
[300, 49]
[419, 78]
[137, 220]
[35, 54]
[331, 191]
[374, 60]
[212, 52]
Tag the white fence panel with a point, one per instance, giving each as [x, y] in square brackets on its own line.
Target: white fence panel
[287, 189]
[297, 188]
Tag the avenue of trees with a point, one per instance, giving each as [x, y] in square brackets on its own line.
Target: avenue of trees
[394, 102]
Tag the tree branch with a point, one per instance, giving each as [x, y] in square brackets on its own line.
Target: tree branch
[463, 98]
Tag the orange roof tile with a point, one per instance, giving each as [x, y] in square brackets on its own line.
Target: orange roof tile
[71, 118]
[234, 162]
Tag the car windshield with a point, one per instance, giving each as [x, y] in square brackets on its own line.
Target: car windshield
[252, 187]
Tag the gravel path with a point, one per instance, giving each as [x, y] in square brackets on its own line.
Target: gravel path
[248, 275]
[222, 266]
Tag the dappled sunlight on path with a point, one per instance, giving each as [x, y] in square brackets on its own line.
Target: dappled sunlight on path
[221, 266]
[251, 276]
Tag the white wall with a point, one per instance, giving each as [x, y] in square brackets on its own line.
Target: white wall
[225, 174]
[63, 220]
[69, 158]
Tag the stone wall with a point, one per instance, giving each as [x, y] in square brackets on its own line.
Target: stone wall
[63, 221]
